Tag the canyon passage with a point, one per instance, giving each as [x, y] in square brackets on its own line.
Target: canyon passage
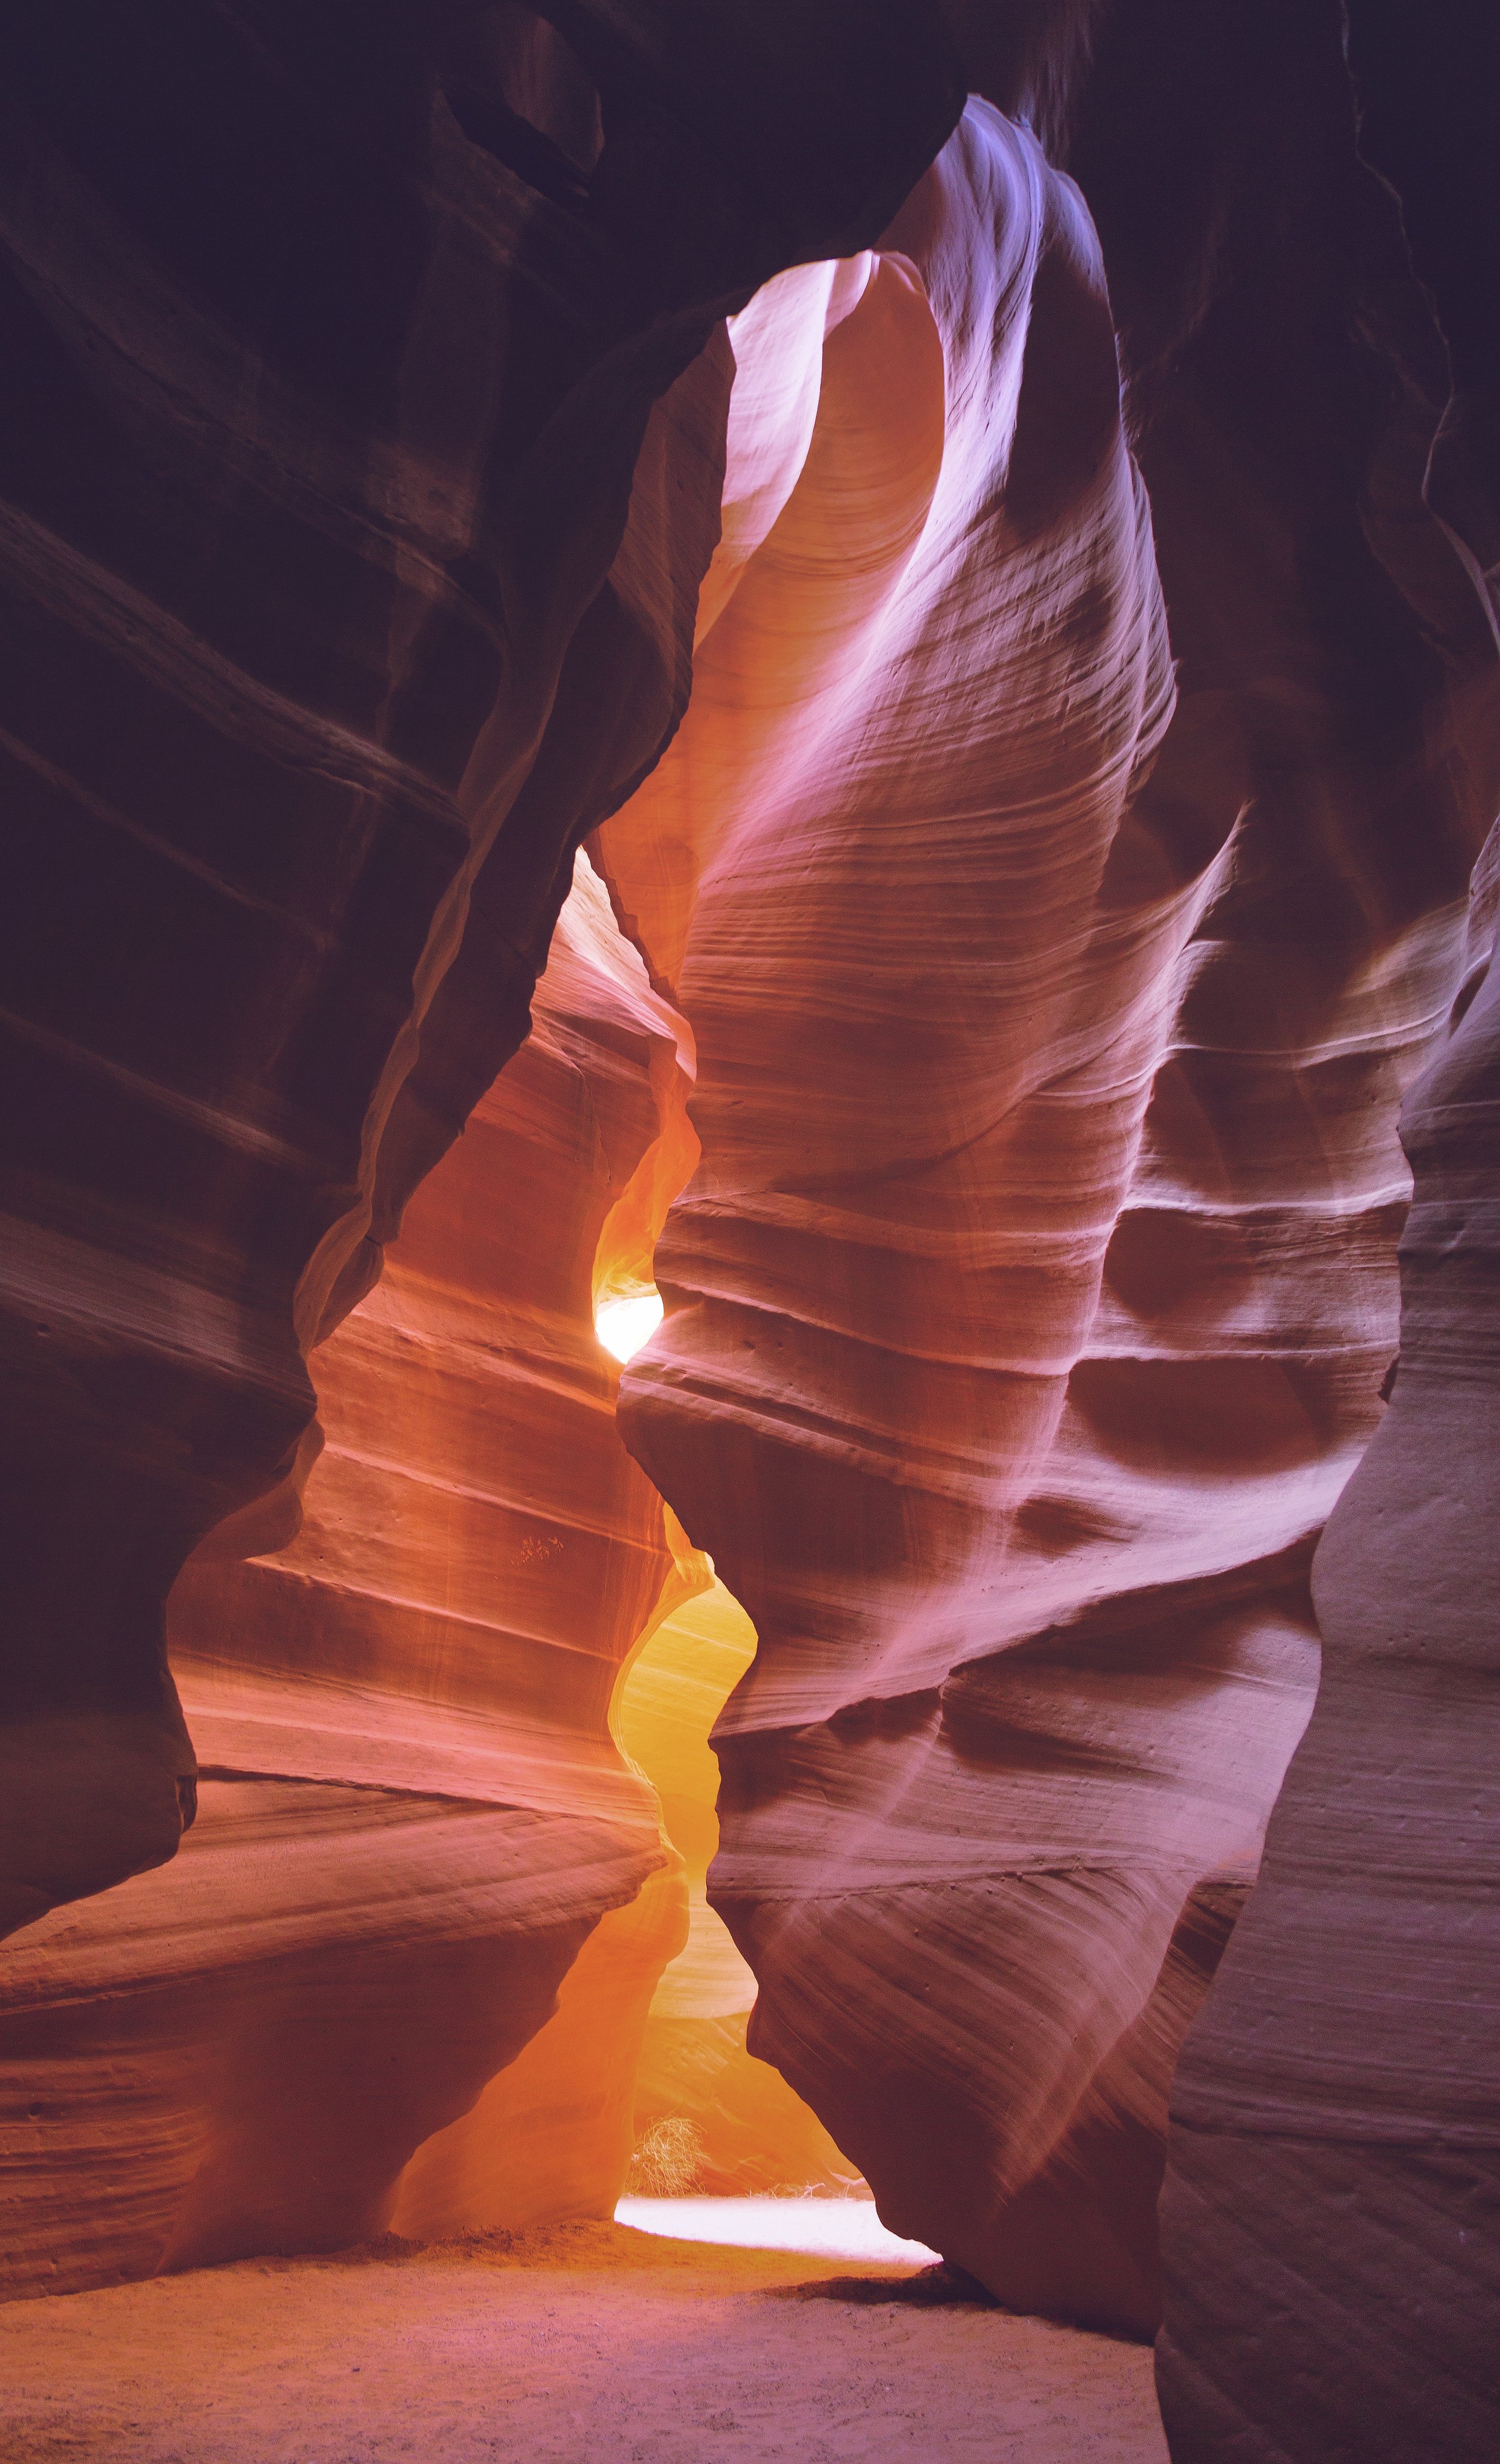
[749, 1274]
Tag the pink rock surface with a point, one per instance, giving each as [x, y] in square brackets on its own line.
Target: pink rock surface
[1050, 1051]
[1057, 886]
[1334, 2191]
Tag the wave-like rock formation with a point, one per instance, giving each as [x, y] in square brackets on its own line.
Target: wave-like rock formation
[345, 590]
[1029, 1307]
[1333, 2192]
[1089, 588]
[709, 2116]
[410, 1804]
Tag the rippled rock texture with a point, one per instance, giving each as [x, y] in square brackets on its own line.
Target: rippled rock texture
[349, 580]
[1055, 999]
[363, 457]
[1055, 887]
[1333, 2192]
[413, 1823]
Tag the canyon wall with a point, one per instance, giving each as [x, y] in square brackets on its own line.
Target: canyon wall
[363, 452]
[1057, 883]
[1030, 1306]
[710, 2117]
[414, 1826]
[1330, 2218]
[345, 590]
[1333, 2198]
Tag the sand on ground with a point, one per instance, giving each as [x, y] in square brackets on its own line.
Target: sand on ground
[847, 2229]
[586, 2344]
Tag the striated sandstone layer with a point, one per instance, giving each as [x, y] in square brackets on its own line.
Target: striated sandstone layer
[1332, 2212]
[1028, 1308]
[1332, 2197]
[1063, 897]
[1265, 372]
[348, 580]
[414, 1828]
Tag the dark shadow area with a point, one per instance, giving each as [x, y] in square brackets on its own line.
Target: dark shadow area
[935, 2288]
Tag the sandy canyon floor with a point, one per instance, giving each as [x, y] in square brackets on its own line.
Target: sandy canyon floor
[586, 2344]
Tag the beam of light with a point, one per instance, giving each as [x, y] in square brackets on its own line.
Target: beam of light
[623, 1326]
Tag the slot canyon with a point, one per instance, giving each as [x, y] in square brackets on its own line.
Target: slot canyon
[750, 1257]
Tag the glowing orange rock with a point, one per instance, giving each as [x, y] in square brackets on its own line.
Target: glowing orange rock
[415, 1827]
[734, 2126]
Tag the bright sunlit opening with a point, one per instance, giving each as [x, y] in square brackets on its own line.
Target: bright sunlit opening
[623, 1326]
[822, 2228]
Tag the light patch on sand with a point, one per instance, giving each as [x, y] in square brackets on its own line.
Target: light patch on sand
[574, 2344]
[823, 2227]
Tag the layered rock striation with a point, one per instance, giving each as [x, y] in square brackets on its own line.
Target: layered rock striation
[1086, 586]
[415, 1825]
[1334, 2191]
[349, 584]
[1029, 1309]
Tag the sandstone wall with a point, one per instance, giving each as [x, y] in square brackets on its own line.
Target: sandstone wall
[1057, 885]
[1029, 1307]
[344, 594]
[710, 2117]
[1334, 2191]
[415, 1825]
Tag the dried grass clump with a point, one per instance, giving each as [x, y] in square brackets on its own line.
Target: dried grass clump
[668, 2160]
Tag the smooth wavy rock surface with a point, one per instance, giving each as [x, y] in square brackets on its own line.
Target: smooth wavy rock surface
[1028, 1311]
[710, 2119]
[1332, 2196]
[344, 591]
[415, 1827]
